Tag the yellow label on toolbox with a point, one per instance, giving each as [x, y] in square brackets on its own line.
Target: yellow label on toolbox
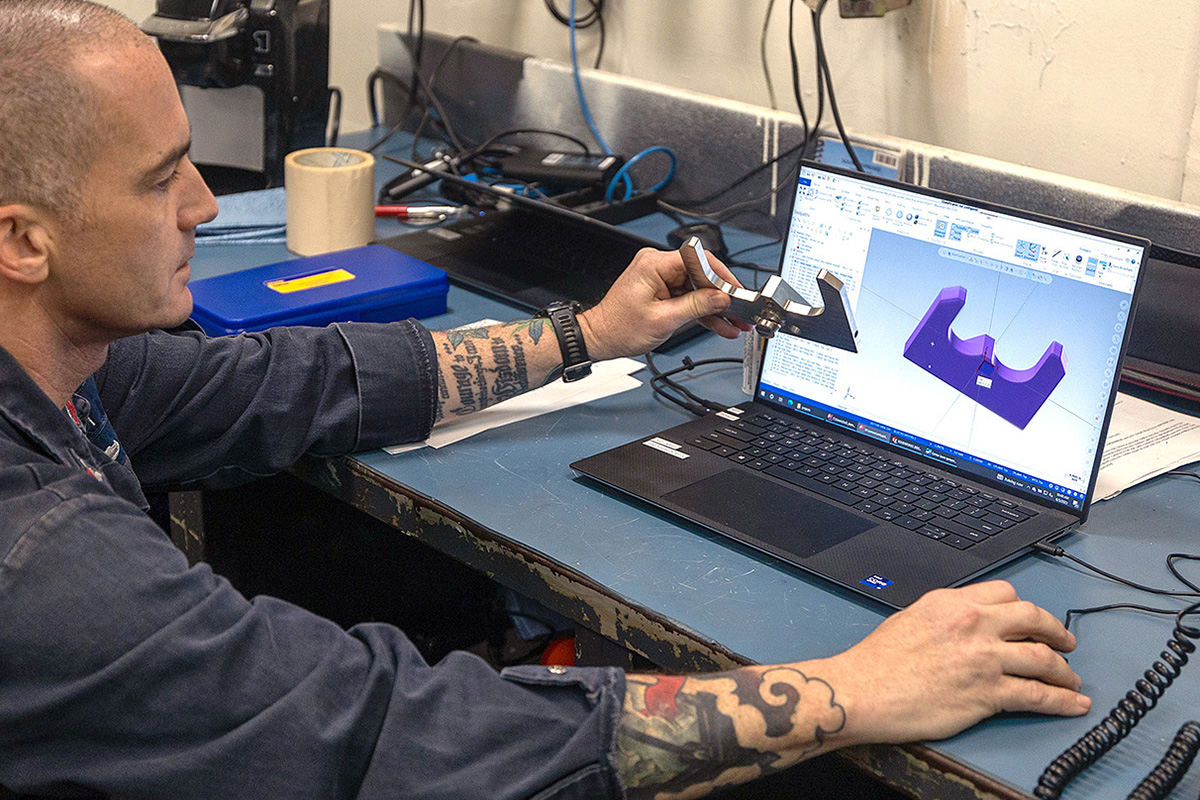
[327, 278]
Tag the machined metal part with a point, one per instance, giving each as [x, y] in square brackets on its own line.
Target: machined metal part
[778, 306]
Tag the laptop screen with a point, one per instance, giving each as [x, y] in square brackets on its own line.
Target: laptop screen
[988, 340]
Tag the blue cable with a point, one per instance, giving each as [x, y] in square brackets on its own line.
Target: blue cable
[583, 106]
[623, 173]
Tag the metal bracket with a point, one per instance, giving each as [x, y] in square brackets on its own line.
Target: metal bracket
[779, 307]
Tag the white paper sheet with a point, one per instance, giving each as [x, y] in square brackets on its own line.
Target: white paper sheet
[607, 378]
[1144, 440]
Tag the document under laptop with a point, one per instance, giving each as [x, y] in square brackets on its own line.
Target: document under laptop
[967, 426]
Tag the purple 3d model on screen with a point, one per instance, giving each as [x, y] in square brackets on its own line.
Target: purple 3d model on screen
[971, 366]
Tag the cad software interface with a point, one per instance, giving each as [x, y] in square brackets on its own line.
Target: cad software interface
[986, 341]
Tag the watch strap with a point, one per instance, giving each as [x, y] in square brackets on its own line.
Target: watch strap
[563, 320]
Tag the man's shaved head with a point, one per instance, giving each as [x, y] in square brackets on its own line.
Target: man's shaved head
[50, 125]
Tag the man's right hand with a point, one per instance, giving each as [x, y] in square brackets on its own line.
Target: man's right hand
[951, 659]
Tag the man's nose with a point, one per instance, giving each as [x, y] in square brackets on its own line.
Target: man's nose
[199, 205]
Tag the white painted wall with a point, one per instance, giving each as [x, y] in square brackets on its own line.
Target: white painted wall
[1105, 90]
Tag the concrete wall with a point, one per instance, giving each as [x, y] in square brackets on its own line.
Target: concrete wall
[1104, 90]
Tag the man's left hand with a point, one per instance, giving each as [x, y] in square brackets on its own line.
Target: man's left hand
[652, 299]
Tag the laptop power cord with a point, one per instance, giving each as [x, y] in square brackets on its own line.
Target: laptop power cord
[1058, 552]
[687, 399]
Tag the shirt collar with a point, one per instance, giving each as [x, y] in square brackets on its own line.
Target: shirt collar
[26, 406]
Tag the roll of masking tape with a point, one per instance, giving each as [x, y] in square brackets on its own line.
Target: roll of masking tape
[330, 199]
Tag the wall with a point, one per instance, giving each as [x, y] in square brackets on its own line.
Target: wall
[1104, 90]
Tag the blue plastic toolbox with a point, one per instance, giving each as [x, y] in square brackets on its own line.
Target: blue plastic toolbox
[364, 284]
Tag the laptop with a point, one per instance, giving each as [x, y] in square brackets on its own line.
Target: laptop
[530, 254]
[968, 425]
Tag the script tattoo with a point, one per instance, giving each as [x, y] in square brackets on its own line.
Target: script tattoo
[478, 382]
[443, 396]
[683, 737]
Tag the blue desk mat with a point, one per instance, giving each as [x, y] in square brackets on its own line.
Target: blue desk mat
[515, 481]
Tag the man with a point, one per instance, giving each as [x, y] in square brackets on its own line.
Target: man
[123, 671]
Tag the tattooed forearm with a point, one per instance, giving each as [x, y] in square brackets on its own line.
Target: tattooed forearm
[479, 367]
[684, 737]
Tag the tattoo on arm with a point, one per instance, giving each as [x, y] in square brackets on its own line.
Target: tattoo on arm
[687, 736]
[479, 367]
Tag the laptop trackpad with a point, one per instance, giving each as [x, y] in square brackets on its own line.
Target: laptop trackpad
[774, 514]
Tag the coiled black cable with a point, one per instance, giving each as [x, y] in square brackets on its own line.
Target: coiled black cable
[1174, 765]
[1127, 713]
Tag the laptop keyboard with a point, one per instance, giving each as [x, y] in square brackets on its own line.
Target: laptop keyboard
[929, 504]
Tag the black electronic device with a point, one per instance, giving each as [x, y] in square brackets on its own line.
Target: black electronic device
[531, 253]
[279, 46]
[1162, 354]
[411, 180]
[879, 414]
[558, 168]
[709, 234]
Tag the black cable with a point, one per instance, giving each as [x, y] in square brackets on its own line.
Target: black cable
[1125, 715]
[1173, 766]
[419, 7]
[762, 53]
[656, 376]
[1079, 612]
[416, 28]
[585, 20]
[743, 206]
[828, 78]
[798, 148]
[381, 74]
[693, 403]
[491, 140]
[375, 77]
[796, 68]
[335, 117]
[1138, 702]
[603, 37]
[824, 79]
[809, 132]
[745, 250]
[593, 16]
[434, 104]
[820, 83]
[768, 216]
[1058, 552]
[1172, 558]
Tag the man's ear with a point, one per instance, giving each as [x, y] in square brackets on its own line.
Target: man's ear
[24, 244]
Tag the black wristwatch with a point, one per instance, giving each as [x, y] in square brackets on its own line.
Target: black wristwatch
[576, 363]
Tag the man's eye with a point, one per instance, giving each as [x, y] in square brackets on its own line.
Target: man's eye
[165, 184]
